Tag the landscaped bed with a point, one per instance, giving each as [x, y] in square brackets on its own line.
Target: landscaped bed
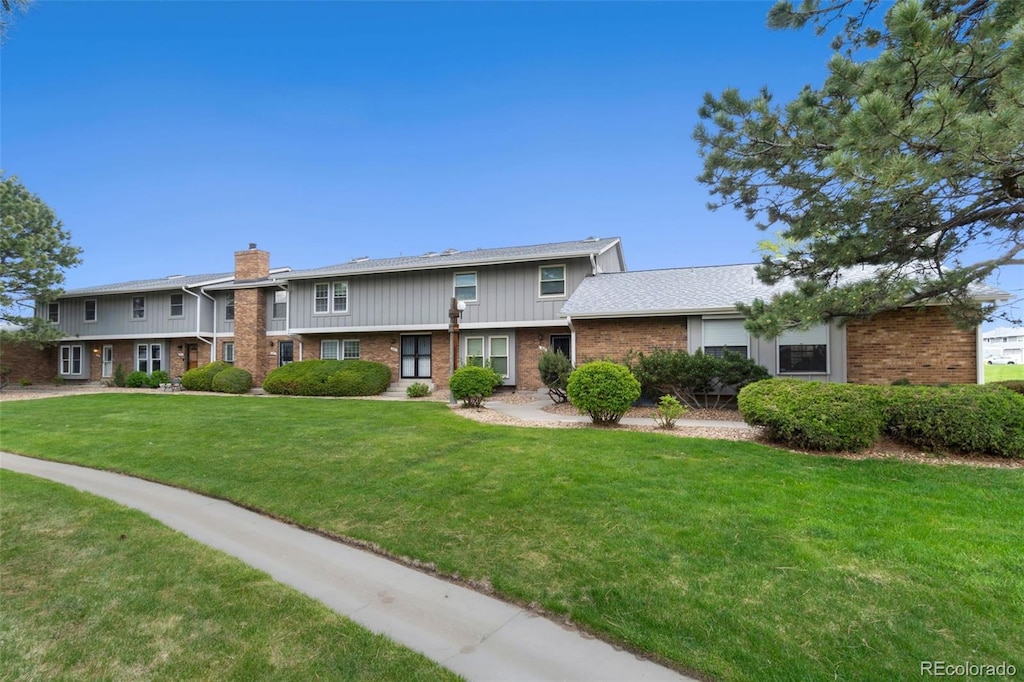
[730, 559]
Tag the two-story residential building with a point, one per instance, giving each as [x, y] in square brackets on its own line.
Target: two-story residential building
[1004, 345]
[572, 296]
[392, 310]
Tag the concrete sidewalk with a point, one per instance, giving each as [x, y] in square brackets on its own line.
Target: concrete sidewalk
[476, 636]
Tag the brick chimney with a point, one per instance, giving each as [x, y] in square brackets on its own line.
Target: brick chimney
[252, 263]
[251, 346]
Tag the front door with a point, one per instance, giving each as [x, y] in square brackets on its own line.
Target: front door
[191, 355]
[416, 357]
[108, 362]
[285, 353]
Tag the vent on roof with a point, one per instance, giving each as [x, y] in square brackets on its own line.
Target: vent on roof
[449, 252]
[590, 239]
[175, 276]
[360, 259]
[431, 254]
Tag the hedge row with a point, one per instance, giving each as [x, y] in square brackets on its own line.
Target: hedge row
[833, 417]
[329, 378]
[219, 376]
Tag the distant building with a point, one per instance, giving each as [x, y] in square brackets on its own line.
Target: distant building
[1004, 342]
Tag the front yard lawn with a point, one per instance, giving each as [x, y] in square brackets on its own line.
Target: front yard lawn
[1004, 373]
[733, 560]
[92, 590]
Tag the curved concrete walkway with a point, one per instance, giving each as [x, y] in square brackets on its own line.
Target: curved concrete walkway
[476, 636]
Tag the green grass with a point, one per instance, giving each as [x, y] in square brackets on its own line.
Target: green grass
[731, 559]
[1004, 373]
[92, 590]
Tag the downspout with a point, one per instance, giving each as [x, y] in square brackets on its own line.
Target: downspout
[213, 344]
[572, 340]
[594, 268]
[199, 312]
[979, 361]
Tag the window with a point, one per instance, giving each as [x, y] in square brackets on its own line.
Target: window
[71, 359]
[561, 343]
[138, 307]
[552, 280]
[177, 305]
[475, 351]
[229, 306]
[90, 310]
[229, 352]
[149, 357]
[53, 312]
[499, 355]
[330, 297]
[329, 350]
[804, 352]
[725, 335]
[465, 286]
[350, 349]
[280, 305]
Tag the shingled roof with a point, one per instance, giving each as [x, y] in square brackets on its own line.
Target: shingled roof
[681, 291]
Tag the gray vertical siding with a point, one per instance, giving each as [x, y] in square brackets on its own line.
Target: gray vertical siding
[505, 293]
[114, 315]
[609, 261]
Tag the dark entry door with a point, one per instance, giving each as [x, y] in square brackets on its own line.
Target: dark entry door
[416, 357]
[191, 355]
[285, 353]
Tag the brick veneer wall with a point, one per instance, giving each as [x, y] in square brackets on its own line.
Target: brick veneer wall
[614, 339]
[528, 351]
[922, 345]
[26, 361]
[377, 346]
[252, 264]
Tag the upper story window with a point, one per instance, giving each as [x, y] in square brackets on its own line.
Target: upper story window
[280, 305]
[177, 305]
[53, 312]
[138, 307]
[229, 306]
[725, 335]
[804, 351]
[465, 286]
[552, 280]
[90, 310]
[330, 297]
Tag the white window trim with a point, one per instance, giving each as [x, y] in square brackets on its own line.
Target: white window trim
[337, 343]
[828, 355]
[95, 311]
[229, 302]
[170, 307]
[507, 355]
[565, 281]
[143, 317]
[149, 357]
[483, 349]
[224, 351]
[70, 360]
[476, 286]
[53, 306]
[274, 303]
[330, 298]
[359, 349]
[703, 333]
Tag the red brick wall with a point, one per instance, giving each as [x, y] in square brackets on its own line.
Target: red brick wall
[923, 345]
[252, 264]
[614, 339]
[26, 361]
[528, 351]
[252, 349]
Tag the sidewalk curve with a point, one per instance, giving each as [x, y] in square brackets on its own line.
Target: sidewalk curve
[472, 634]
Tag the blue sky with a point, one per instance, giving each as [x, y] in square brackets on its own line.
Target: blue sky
[167, 135]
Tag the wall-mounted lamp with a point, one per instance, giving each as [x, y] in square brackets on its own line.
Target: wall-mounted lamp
[271, 344]
[180, 347]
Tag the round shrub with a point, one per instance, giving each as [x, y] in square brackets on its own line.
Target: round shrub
[159, 377]
[604, 390]
[471, 384]
[232, 380]
[137, 380]
[814, 415]
[201, 378]
[329, 377]
[967, 419]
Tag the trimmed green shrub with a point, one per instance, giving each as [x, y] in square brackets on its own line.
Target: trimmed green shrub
[471, 384]
[232, 380]
[159, 377]
[814, 415]
[604, 390]
[696, 380]
[137, 380]
[120, 376]
[555, 369]
[417, 390]
[1017, 386]
[967, 419]
[329, 378]
[201, 378]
